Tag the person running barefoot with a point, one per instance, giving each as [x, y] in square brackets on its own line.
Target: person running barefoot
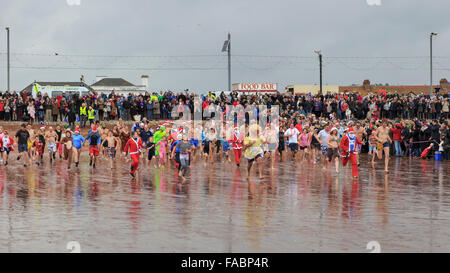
[23, 138]
[162, 151]
[78, 143]
[37, 149]
[253, 150]
[382, 135]
[360, 132]
[30, 142]
[348, 147]
[323, 137]
[134, 144]
[6, 145]
[111, 145]
[333, 148]
[208, 148]
[68, 148]
[292, 134]
[60, 148]
[185, 148]
[94, 140]
[51, 138]
[373, 146]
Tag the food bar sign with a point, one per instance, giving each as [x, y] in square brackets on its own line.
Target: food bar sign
[256, 87]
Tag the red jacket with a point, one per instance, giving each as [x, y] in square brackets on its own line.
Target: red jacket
[345, 145]
[134, 148]
[396, 134]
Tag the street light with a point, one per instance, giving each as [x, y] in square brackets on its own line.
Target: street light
[431, 61]
[320, 63]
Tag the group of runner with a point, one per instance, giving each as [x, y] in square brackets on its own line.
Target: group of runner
[211, 142]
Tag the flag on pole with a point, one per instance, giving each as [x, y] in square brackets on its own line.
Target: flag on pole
[226, 45]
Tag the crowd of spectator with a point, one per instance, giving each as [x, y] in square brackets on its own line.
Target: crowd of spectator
[422, 118]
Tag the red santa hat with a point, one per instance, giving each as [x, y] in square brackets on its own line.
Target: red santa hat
[94, 128]
[351, 130]
[77, 129]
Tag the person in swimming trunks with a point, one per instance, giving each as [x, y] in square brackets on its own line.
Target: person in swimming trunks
[111, 144]
[208, 149]
[94, 140]
[51, 137]
[271, 137]
[382, 135]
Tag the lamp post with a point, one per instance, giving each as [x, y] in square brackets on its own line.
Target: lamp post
[227, 48]
[320, 63]
[431, 61]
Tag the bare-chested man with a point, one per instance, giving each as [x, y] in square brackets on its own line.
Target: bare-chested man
[360, 132]
[30, 143]
[270, 135]
[111, 144]
[384, 142]
[51, 136]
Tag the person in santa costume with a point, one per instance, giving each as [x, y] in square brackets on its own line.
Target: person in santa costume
[348, 147]
[6, 146]
[237, 139]
[135, 145]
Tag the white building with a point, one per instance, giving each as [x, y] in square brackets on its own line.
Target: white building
[119, 86]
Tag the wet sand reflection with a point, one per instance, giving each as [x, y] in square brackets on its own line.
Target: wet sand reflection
[295, 208]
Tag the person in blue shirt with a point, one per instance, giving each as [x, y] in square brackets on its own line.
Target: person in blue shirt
[78, 143]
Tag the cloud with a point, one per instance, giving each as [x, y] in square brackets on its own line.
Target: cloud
[258, 27]
[374, 2]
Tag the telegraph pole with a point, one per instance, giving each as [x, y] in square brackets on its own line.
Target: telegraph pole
[431, 62]
[8, 62]
[320, 64]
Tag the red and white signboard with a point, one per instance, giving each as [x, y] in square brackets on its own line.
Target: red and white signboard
[255, 87]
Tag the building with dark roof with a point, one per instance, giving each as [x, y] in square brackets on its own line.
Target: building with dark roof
[119, 86]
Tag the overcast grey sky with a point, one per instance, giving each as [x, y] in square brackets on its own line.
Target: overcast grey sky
[340, 28]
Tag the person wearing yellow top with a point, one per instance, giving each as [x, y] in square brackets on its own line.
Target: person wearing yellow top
[83, 115]
[253, 150]
[91, 115]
